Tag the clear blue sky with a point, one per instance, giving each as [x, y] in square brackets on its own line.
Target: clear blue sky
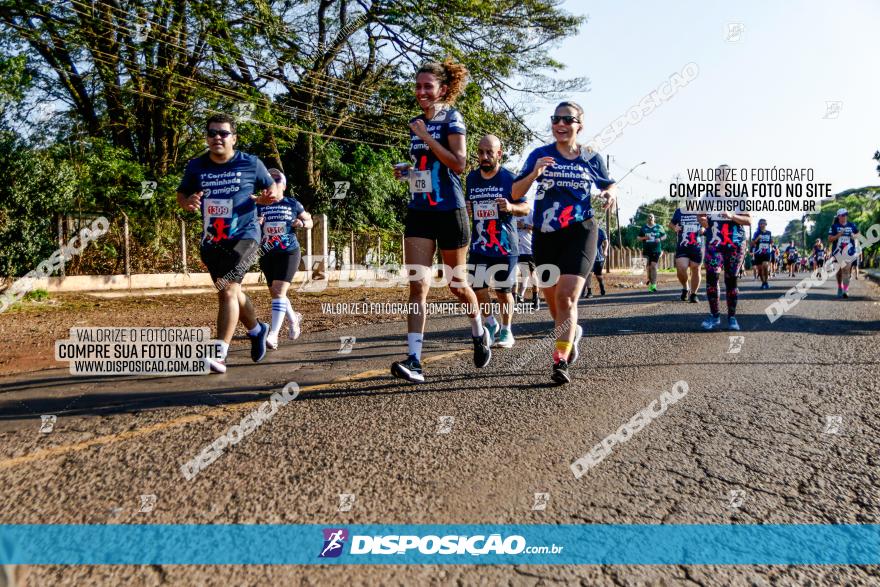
[757, 102]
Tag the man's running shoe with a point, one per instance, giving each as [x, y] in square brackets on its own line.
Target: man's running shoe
[482, 352]
[295, 326]
[216, 365]
[578, 333]
[732, 323]
[272, 341]
[536, 302]
[601, 289]
[258, 343]
[589, 293]
[684, 294]
[410, 369]
[652, 287]
[711, 323]
[694, 298]
[505, 339]
[493, 332]
[560, 372]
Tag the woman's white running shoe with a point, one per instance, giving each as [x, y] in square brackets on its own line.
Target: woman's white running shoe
[295, 326]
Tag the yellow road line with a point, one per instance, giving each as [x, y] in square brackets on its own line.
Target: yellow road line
[58, 451]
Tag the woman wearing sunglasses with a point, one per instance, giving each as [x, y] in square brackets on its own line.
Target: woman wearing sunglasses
[281, 256]
[568, 232]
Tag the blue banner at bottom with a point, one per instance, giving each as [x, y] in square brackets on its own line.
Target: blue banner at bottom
[441, 544]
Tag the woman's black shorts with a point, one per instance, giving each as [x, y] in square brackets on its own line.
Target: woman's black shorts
[450, 228]
[280, 265]
[572, 249]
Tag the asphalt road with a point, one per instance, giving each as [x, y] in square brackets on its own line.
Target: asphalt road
[783, 431]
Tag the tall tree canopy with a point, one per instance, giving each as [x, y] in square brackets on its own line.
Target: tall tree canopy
[142, 73]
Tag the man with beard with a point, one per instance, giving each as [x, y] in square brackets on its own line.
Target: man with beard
[494, 240]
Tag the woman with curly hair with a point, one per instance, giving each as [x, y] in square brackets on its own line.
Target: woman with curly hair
[436, 215]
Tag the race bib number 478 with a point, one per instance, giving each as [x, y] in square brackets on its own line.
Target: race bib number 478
[420, 182]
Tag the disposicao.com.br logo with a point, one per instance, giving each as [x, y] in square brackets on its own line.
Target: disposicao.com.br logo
[432, 544]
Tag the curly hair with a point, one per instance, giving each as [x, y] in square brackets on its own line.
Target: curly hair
[451, 74]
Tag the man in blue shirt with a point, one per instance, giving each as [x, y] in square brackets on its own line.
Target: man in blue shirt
[494, 241]
[223, 184]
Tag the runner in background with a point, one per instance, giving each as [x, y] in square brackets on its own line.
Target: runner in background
[223, 184]
[762, 241]
[652, 236]
[818, 255]
[598, 264]
[775, 257]
[436, 216]
[857, 260]
[688, 252]
[725, 247]
[526, 274]
[568, 235]
[840, 237]
[791, 258]
[494, 242]
[281, 257]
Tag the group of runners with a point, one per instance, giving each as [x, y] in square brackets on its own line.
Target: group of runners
[484, 223]
[767, 260]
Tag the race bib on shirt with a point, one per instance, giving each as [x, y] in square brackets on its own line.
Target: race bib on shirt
[420, 182]
[271, 229]
[485, 210]
[219, 208]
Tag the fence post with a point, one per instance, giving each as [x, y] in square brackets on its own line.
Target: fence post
[125, 244]
[184, 267]
[308, 260]
[319, 269]
[351, 255]
[61, 240]
[379, 251]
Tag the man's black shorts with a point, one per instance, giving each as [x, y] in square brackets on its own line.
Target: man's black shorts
[229, 259]
[497, 272]
[529, 260]
[597, 267]
[280, 265]
[652, 257]
[450, 228]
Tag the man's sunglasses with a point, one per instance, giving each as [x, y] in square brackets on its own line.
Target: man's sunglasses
[213, 132]
[569, 120]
